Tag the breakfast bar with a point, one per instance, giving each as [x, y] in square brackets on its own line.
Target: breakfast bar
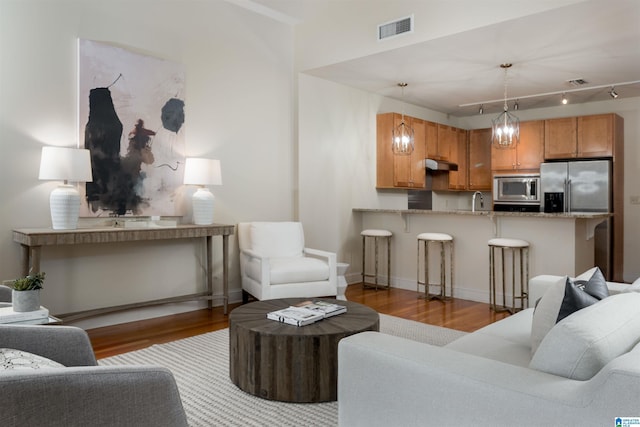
[561, 243]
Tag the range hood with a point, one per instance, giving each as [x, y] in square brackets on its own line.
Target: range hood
[440, 165]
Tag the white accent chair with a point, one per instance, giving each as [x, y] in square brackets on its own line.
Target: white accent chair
[275, 264]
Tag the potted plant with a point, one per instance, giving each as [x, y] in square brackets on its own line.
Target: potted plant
[26, 292]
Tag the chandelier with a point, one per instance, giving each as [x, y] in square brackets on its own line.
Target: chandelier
[402, 140]
[505, 127]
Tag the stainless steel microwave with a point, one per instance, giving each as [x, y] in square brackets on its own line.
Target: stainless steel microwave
[520, 189]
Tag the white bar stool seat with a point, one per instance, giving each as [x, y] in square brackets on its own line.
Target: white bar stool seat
[519, 249]
[444, 240]
[376, 235]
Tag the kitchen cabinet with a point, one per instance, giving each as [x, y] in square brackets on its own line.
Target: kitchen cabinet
[581, 137]
[399, 171]
[597, 135]
[479, 165]
[409, 171]
[446, 139]
[528, 153]
[561, 138]
[431, 140]
[458, 152]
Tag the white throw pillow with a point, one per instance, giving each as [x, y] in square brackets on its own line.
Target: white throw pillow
[580, 345]
[17, 359]
[546, 312]
[634, 287]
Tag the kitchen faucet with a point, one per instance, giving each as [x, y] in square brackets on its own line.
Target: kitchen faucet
[473, 201]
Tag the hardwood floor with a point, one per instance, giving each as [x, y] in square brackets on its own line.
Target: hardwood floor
[456, 314]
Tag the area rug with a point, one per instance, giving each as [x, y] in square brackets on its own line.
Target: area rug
[200, 365]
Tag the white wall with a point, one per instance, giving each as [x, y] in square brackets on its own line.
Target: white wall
[238, 109]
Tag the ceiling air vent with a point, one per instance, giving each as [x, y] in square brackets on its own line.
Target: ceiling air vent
[577, 82]
[395, 28]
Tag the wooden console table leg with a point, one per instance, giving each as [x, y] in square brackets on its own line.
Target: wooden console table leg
[30, 259]
[209, 251]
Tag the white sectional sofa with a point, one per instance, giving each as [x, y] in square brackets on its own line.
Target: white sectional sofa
[490, 378]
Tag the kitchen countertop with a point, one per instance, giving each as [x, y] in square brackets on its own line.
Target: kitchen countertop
[574, 215]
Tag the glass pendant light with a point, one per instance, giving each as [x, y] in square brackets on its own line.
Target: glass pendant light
[506, 127]
[402, 140]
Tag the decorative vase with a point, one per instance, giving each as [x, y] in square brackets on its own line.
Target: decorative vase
[25, 300]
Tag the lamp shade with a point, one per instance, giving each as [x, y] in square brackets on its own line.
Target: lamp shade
[199, 171]
[65, 164]
[202, 172]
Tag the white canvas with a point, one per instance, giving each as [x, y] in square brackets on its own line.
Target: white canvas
[143, 177]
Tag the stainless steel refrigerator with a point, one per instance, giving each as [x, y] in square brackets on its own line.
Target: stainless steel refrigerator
[581, 186]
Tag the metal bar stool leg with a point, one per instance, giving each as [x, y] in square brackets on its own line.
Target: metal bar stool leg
[443, 280]
[451, 269]
[389, 263]
[364, 242]
[375, 269]
[492, 279]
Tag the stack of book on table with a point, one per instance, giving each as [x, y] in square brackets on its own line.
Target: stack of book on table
[8, 315]
[306, 312]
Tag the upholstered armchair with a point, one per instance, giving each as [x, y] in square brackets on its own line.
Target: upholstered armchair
[79, 393]
[275, 264]
[5, 293]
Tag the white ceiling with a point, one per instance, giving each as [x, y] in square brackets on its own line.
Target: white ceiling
[598, 41]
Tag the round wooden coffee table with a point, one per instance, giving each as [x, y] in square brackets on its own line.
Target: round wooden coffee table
[289, 363]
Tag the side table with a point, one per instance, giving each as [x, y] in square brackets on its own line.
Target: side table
[342, 268]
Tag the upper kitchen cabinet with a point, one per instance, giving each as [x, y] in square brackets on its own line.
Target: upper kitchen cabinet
[447, 137]
[409, 171]
[399, 171]
[479, 159]
[582, 137]
[527, 155]
[598, 135]
[561, 138]
[458, 152]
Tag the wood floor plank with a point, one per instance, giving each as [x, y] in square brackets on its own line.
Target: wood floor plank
[455, 313]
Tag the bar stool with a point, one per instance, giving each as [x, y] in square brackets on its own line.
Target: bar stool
[519, 249]
[384, 235]
[444, 240]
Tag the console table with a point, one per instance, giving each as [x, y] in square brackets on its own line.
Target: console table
[32, 240]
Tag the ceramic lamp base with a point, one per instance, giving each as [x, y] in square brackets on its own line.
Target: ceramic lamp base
[202, 206]
[64, 203]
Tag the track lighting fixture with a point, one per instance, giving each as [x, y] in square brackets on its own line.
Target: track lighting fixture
[611, 86]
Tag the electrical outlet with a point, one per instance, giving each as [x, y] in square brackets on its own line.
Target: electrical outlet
[635, 200]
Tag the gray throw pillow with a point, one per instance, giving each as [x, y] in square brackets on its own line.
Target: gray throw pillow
[563, 298]
[579, 294]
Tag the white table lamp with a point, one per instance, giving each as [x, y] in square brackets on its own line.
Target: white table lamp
[65, 164]
[202, 172]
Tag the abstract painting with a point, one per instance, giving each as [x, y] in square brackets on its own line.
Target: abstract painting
[131, 119]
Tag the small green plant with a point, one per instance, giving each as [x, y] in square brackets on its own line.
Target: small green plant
[29, 283]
